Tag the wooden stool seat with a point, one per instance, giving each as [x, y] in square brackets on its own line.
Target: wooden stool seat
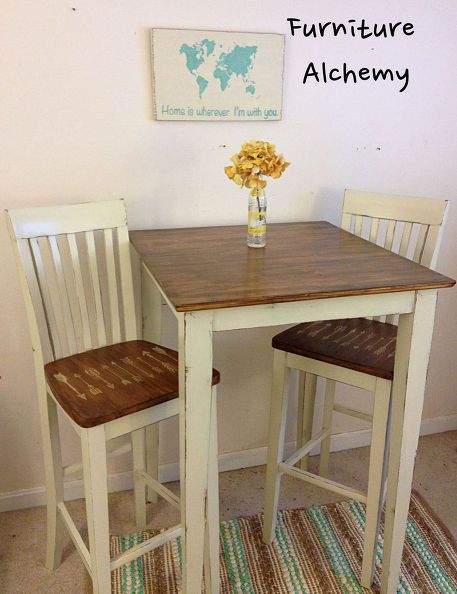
[359, 344]
[113, 381]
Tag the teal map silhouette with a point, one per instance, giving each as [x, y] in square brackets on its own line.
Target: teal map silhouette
[211, 63]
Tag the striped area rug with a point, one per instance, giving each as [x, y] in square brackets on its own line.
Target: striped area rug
[316, 551]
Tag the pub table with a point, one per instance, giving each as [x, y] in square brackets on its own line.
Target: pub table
[308, 271]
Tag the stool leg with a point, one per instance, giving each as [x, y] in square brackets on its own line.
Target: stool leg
[54, 483]
[139, 464]
[375, 478]
[93, 448]
[152, 458]
[211, 566]
[329, 399]
[305, 413]
[278, 414]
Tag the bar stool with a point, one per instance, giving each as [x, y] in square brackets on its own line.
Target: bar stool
[91, 364]
[356, 352]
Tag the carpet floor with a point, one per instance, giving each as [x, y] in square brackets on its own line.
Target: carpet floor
[241, 495]
[315, 551]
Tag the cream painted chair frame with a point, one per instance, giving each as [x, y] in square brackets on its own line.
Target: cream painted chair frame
[429, 215]
[33, 232]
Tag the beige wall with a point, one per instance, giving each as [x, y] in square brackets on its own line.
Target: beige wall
[76, 125]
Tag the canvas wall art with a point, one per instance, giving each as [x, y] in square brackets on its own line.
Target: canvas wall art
[216, 75]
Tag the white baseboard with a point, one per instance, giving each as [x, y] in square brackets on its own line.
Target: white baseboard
[230, 461]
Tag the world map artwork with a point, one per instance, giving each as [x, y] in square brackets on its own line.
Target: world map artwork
[212, 63]
[217, 75]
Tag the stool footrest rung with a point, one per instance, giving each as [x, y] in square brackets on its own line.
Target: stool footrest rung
[144, 547]
[322, 482]
[159, 488]
[305, 449]
[123, 449]
[74, 535]
[352, 412]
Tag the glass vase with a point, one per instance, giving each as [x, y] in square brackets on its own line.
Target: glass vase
[257, 220]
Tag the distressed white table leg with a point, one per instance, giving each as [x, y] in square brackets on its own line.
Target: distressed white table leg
[411, 361]
[152, 329]
[212, 508]
[300, 406]
[329, 399]
[152, 458]
[139, 465]
[54, 481]
[276, 433]
[375, 479]
[195, 371]
[306, 403]
[93, 448]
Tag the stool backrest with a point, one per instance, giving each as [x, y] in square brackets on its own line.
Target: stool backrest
[409, 226]
[75, 268]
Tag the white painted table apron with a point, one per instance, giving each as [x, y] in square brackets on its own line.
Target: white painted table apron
[417, 312]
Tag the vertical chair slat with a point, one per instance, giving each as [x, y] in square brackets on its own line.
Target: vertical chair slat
[70, 283]
[406, 236]
[439, 235]
[346, 221]
[49, 272]
[374, 230]
[358, 226]
[390, 235]
[87, 341]
[373, 235]
[112, 285]
[420, 243]
[429, 252]
[25, 250]
[46, 297]
[125, 265]
[95, 281]
[64, 298]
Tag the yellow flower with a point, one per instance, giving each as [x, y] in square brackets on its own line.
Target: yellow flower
[230, 171]
[255, 159]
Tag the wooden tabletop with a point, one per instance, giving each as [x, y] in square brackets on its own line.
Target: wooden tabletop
[212, 267]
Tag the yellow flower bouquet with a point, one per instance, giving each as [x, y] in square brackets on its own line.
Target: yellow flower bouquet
[255, 159]
[250, 165]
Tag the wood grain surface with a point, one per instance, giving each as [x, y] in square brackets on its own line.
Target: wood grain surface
[360, 344]
[212, 267]
[108, 383]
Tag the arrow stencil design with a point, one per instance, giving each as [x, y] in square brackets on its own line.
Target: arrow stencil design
[136, 378]
[129, 361]
[92, 372]
[170, 368]
[310, 325]
[162, 351]
[371, 346]
[92, 389]
[346, 337]
[153, 367]
[383, 348]
[60, 377]
[367, 339]
[337, 329]
[314, 333]
[123, 380]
